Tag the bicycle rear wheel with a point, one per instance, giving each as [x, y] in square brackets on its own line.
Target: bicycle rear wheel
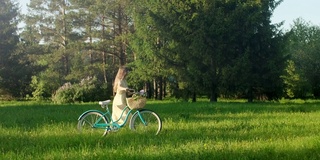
[92, 123]
[146, 121]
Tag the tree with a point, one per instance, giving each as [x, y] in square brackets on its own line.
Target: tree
[304, 47]
[50, 25]
[164, 41]
[214, 48]
[105, 24]
[9, 64]
[262, 44]
[78, 39]
[147, 44]
[204, 40]
[295, 85]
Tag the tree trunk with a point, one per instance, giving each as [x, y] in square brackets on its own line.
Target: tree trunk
[214, 94]
[104, 62]
[213, 97]
[155, 91]
[194, 97]
[164, 88]
[148, 89]
[250, 95]
[159, 88]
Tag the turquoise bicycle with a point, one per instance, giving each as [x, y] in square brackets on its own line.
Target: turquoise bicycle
[142, 120]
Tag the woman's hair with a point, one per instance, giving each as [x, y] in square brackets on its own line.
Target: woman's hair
[122, 72]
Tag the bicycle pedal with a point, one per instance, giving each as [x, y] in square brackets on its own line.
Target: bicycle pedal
[105, 133]
[115, 130]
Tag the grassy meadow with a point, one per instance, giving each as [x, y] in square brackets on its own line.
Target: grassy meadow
[202, 130]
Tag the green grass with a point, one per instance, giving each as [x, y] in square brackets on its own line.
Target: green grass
[199, 130]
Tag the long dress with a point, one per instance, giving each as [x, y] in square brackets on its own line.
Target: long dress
[119, 102]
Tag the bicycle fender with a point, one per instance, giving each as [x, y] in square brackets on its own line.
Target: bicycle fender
[84, 113]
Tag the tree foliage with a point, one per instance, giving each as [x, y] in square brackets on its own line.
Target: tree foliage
[182, 49]
[205, 40]
[11, 69]
[77, 39]
[304, 44]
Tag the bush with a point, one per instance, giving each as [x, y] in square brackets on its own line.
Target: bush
[64, 94]
[84, 91]
[40, 88]
[4, 95]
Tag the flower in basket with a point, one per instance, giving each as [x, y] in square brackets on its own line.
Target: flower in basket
[138, 100]
[139, 95]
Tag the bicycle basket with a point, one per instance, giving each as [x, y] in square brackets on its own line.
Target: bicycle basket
[136, 102]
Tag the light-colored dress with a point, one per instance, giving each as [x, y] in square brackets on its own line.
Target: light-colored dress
[119, 102]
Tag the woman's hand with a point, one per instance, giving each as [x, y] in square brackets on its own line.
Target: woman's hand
[130, 92]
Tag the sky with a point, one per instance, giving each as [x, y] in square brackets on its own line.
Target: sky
[287, 11]
[290, 10]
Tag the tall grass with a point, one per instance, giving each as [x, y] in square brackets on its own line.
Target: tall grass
[199, 130]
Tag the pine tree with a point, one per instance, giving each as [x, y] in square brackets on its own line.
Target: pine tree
[8, 43]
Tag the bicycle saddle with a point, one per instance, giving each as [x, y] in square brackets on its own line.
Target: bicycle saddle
[104, 103]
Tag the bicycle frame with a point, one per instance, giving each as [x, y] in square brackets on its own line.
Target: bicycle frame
[112, 123]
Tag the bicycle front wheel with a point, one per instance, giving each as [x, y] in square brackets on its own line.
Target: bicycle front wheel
[146, 121]
[92, 123]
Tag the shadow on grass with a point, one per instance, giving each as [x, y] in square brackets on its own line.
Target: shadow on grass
[172, 143]
[32, 116]
[131, 145]
[28, 116]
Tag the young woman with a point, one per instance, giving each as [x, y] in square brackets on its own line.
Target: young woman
[120, 87]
